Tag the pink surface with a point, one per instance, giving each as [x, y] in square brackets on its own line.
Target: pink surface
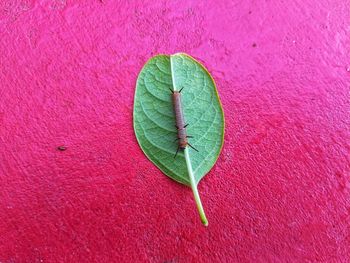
[280, 191]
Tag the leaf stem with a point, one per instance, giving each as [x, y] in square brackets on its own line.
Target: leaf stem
[194, 188]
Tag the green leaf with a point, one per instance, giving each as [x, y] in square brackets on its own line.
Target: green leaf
[154, 118]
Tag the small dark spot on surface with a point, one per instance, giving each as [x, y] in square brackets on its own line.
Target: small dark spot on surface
[254, 45]
[249, 12]
[61, 148]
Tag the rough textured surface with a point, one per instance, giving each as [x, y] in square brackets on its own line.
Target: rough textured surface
[280, 190]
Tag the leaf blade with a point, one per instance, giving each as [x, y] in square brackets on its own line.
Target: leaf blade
[156, 108]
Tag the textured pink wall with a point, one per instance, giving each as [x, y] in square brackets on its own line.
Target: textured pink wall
[280, 190]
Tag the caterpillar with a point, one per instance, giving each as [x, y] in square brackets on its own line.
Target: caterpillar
[180, 125]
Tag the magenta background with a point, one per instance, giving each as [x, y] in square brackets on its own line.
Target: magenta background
[280, 190]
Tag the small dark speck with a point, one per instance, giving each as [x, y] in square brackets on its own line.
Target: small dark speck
[250, 12]
[254, 45]
[61, 148]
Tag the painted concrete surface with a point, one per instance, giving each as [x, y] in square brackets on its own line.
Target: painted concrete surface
[280, 191]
